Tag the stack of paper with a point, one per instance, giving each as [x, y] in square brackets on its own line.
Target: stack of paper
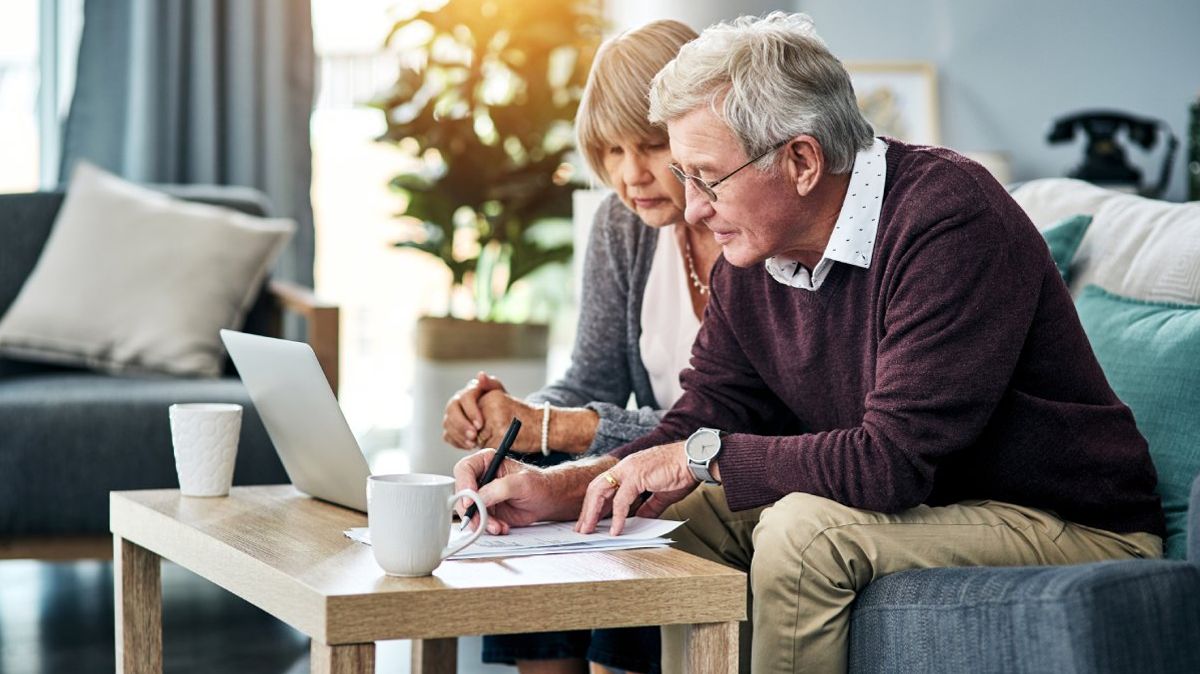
[550, 538]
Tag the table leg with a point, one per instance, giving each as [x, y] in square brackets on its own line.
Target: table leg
[434, 656]
[712, 648]
[137, 605]
[342, 658]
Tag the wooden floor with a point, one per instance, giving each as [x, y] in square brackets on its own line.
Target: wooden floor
[58, 617]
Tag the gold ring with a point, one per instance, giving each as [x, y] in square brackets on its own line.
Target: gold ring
[612, 481]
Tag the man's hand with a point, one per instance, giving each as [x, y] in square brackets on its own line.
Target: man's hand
[662, 470]
[463, 421]
[522, 494]
[518, 496]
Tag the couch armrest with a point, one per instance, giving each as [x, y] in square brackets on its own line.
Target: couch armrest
[322, 318]
[1120, 616]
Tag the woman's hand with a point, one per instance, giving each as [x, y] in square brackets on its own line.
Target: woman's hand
[463, 419]
[479, 414]
[498, 409]
[571, 429]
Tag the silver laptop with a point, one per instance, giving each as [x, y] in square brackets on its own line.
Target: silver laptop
[302, 416]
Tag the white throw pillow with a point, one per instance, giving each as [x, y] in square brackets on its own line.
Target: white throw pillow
[1049, 200]
[1135, 247]
[135, 281]
[1142, 248]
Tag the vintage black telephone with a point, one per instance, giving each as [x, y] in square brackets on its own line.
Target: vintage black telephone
[1104, 160]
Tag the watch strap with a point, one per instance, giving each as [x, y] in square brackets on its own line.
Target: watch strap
[700, 472]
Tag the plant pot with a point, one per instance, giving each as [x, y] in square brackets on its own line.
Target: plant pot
[450, 351]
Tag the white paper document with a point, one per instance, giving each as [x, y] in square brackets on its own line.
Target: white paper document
[550, 538]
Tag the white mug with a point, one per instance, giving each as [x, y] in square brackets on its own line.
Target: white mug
[205, 438]
[409, 518]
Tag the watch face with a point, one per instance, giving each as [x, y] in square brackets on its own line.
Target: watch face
[703, 446]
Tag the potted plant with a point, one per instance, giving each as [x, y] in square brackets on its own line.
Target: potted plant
[485, 104]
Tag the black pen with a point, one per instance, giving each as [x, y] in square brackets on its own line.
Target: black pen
[490, 474]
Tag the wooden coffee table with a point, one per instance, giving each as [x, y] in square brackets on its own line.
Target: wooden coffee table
[285, 553]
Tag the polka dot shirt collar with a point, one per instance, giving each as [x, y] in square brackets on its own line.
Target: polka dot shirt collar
[853, 238]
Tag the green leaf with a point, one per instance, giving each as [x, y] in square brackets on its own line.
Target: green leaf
[526, 259]
[509, 176]
[412, 182]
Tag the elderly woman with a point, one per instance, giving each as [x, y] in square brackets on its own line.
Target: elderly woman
[644, 292]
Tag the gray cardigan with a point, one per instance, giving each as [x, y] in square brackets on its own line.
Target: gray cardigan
[606, 363]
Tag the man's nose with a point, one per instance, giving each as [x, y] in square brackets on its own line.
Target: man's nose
[697, 207]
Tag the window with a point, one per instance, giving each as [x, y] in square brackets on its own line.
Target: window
[39, 40]
[19, 80]
[381, 289]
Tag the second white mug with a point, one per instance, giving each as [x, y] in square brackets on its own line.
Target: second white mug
[205, 440]
[409, 519]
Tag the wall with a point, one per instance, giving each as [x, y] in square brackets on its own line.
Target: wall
[695, 13]
[1006, 69]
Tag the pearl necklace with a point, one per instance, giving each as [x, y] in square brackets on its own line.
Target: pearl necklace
[691, 267]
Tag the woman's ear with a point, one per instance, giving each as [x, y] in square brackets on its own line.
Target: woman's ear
[804, 162]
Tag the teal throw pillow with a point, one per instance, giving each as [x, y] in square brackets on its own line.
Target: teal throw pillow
[1064, 238]
[1150, 352]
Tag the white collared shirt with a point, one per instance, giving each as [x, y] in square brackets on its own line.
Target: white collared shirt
[853, 238]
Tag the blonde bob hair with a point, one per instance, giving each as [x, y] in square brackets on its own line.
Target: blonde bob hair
[770, 79]
[616, 101]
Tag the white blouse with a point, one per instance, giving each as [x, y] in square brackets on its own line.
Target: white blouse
[669, 326]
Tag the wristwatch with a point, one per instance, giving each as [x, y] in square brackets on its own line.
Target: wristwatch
[701, 449]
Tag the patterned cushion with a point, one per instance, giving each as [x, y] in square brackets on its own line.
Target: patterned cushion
[1144, 249]
[1135, 247]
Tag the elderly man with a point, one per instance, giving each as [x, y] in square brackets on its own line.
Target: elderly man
[890, 374]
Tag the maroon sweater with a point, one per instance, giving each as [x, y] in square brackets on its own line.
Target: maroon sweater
[954, 368]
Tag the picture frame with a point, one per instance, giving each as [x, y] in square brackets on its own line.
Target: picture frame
[899, 98]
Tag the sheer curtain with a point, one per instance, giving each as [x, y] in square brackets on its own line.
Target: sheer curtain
[201, 91]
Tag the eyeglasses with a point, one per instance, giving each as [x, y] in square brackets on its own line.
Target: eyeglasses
[705, 187]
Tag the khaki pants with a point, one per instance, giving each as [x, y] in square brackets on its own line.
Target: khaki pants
[808, 556]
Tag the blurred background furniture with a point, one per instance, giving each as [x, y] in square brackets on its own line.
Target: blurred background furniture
[69, 436]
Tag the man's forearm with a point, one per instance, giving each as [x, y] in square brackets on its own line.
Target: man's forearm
[569, 482]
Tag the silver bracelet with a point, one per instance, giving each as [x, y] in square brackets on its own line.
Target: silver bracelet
[545, 428]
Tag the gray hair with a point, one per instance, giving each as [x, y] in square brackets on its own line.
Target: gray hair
[774, 79]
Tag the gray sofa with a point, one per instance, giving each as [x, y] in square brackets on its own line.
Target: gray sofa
[69, 436]
[1109, 617]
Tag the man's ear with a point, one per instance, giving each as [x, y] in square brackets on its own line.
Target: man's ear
[804, 161]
